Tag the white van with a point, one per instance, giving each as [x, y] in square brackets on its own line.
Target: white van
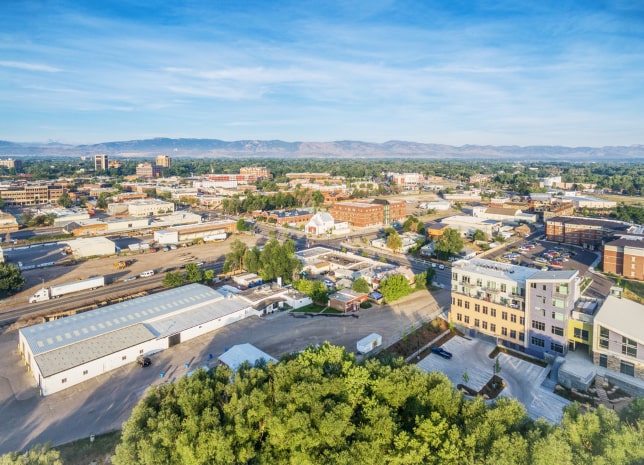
[145, 274]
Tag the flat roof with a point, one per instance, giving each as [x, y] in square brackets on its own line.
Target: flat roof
[70, 330]
[495, 269]
[582, 220]
[623, 316]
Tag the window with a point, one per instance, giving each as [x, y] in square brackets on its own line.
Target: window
[559, 303]
[513, 334]
[504, 288]
[459, 302]
[521, 337]
[484, 310]
[513, 318]
[557, 330]
[541, 326]
[544, 287]
[557, 316]
[467, 319]
[626, 368]
[504, 315]
[603, 360]
[493, 312]
[64, 380]
[556, 347]
[629, 347]
[563, 289]
[479, 282]
[581, 334]
[477, 307]
[477, 322]
[522, 320]
[85, 372]
[459, 317]
[454, 276]
[467, 304]
[504, 331]
[493, 327]
[484, 324]
[140, 351]
[537, 341]
[453, 300]
[603, 337]
[124, 357]
[533, 285]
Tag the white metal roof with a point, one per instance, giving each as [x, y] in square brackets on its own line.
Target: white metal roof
[241, 353]
[55, 334]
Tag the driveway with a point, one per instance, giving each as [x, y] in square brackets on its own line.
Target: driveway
[523, 379]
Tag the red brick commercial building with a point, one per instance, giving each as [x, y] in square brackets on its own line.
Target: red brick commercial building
[589, 233]
[369, 213]
[625, 257]
[347, 300]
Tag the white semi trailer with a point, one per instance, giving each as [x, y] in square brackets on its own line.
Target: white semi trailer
[367, 344]
[52, 292]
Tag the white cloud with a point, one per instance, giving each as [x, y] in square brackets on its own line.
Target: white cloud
[29, 66]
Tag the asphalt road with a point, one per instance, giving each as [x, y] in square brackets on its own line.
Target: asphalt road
[104, 403]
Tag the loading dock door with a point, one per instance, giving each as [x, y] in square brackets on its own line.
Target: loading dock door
[174, 340]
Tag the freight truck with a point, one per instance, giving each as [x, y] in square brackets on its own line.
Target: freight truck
[52, 292]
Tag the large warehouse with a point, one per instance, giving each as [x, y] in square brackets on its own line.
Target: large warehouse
[68, 351]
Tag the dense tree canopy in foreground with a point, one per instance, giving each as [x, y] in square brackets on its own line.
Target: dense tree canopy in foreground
[324, 408]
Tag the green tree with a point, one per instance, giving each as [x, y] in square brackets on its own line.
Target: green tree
[173, 279]
[394, 287]
[318, 198]
[36, 455]
[394, 242]
[235, 258]
[65, 200]
[450, 243]
[194, 274]
[361, 285]
[241, 224]
[102, 200]
[478, 235]
[11, 279]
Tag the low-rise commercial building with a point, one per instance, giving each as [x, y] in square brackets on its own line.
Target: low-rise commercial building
[468, 225]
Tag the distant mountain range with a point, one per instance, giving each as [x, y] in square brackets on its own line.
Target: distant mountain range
[206, 148]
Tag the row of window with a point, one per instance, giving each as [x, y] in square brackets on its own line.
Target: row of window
[624, 367]
[484, 309]
[492, 327]
[554, 346]
[541, 326]
[629, 346]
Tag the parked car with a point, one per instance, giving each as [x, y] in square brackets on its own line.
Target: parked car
[143, 361]
[441, 267]
[441, 352]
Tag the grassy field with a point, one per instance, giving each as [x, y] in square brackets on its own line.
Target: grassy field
[634, 290]
[625, 199]
[83, 451]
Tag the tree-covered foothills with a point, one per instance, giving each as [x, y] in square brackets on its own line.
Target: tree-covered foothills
[321, 407]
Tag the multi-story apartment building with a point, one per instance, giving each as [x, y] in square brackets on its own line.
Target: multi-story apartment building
[369, 213]
[260, 172]
[522, 308]
[148, 170]
[163, 161]
[618, 339]
[101, 162]
[31, 194]
[10, 163]
[590, 233]
[625, 257]
[406, 180]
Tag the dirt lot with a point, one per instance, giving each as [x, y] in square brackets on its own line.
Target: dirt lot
[105, 266]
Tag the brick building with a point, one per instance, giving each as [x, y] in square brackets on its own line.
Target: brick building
[369, 213]
[590, 233]
[625, 257]
[31, 194]
[148, 170]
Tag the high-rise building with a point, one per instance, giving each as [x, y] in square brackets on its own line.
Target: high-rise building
[101, 162]
[11, 163]
[163, 161]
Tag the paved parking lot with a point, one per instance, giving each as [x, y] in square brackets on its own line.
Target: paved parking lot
[523, 379]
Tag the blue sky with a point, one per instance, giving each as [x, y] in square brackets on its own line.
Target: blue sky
[454, 72]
